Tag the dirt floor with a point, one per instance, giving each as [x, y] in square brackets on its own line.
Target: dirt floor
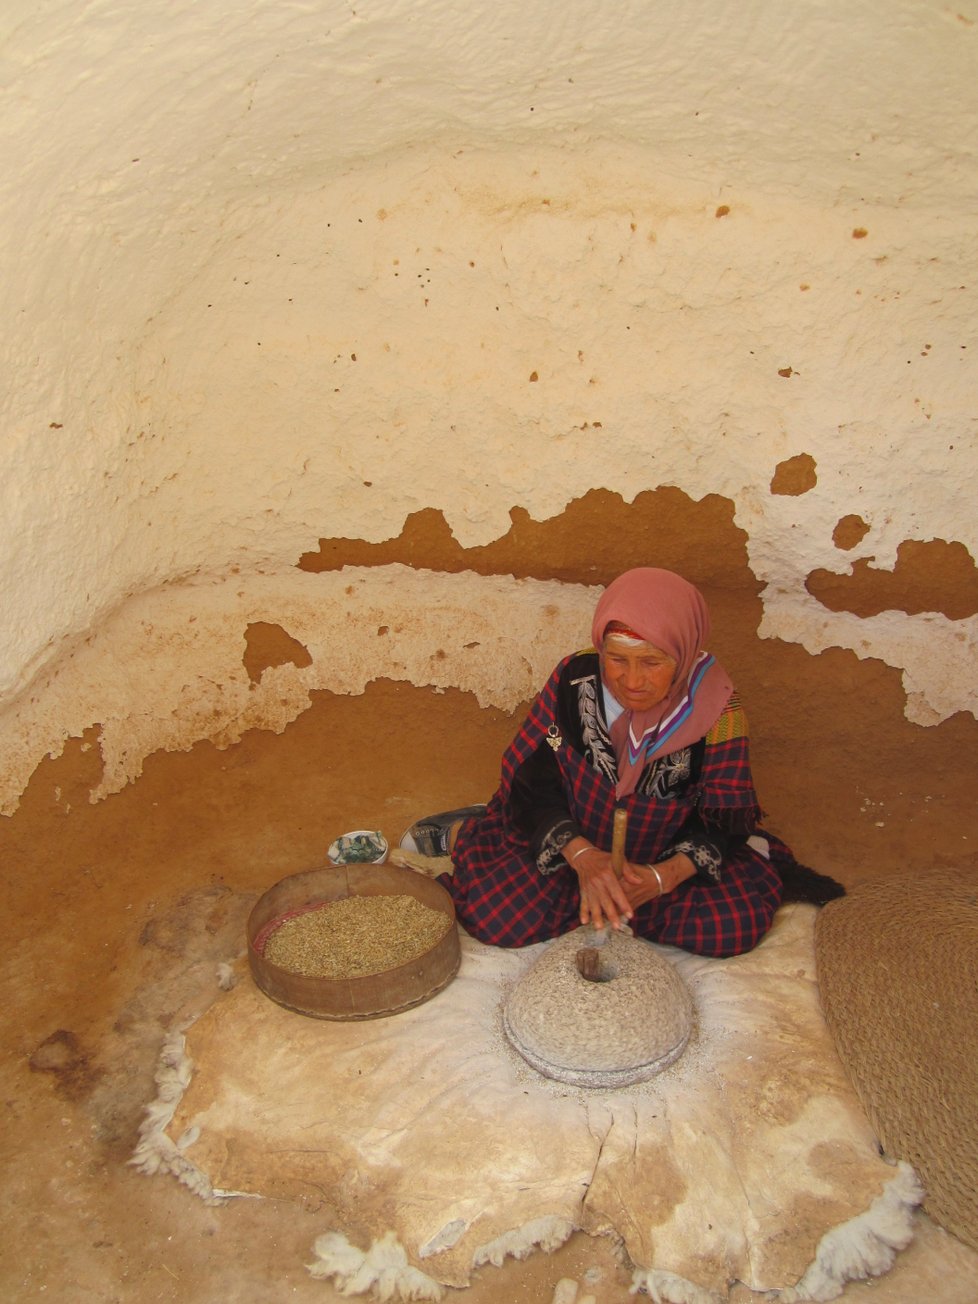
[116, 914]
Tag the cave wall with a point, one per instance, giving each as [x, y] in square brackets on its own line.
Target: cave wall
[474, 300]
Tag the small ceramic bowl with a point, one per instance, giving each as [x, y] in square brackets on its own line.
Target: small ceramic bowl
[361, 847]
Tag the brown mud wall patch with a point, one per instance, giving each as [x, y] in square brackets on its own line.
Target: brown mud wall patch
[932, 576]
[594, 539]
[849, 531]
[794, 476]
[269, 645]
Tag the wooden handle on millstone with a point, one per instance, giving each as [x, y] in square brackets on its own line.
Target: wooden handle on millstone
[618, 841]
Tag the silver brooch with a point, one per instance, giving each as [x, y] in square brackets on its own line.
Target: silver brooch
[554, 738]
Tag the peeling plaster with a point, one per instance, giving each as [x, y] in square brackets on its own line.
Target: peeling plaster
[310, 275]
[169, 667]
[936, 686]
[402, 351]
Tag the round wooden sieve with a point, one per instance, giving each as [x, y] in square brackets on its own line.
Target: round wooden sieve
[374, 995]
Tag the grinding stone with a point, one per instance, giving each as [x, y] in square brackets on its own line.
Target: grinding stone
[625, 1028]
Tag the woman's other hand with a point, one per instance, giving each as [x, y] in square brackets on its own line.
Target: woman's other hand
[643, 883]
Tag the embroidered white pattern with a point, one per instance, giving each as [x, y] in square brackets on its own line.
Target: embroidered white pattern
[550, 856]
[667, 774]
[593, 733]
[704, 856]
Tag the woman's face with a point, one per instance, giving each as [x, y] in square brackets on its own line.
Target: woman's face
[638, 675]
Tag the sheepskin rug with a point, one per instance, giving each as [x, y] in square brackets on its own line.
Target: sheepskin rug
[430, 1147]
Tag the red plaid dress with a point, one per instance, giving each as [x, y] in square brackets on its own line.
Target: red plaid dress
[503, 897]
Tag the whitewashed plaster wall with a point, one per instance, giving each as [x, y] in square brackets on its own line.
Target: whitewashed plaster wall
[277, 272]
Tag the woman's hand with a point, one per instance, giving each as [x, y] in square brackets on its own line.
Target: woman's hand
[603, 895]
[606, 897]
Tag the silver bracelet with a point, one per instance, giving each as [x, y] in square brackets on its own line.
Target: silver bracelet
[658, 879]
[580, 852]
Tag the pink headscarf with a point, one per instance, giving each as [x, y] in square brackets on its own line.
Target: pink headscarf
[668, 612]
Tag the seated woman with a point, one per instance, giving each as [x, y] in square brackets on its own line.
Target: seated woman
[648, 721]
